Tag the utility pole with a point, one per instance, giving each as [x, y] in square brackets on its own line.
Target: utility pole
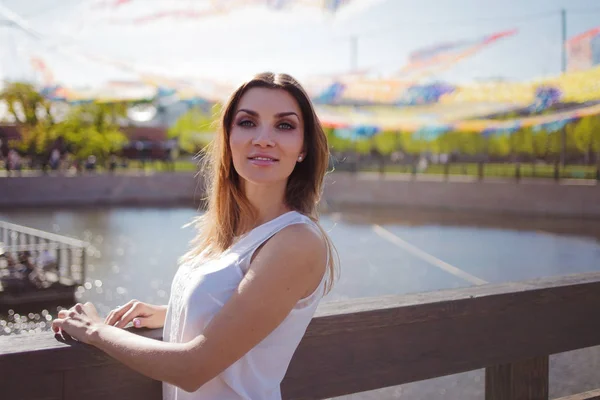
[353, 53]
[563, 17]
[7, 23]
[563, 133]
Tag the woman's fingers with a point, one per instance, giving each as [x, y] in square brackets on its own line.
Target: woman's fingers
[90, 310]
[69, 328]
[75, 320]
[133, 312]
[118, 317]
[89, 307]
[56, 324]
[115, 315]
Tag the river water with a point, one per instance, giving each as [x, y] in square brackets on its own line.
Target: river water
[382, 252]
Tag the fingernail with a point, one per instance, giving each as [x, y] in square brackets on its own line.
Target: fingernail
[137, 323]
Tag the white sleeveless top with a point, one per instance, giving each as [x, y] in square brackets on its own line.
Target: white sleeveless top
[200, 290]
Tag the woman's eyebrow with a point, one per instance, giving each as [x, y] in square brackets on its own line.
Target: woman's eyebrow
[253, 113]
[278, 115]
[285, 114]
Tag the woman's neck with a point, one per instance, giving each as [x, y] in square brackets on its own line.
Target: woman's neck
[268, 201]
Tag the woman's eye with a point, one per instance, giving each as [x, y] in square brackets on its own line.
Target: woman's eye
[285, 126]
[246, 123]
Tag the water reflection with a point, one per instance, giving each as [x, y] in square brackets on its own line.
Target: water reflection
[135, 251]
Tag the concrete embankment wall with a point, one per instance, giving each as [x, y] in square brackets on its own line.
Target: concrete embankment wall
[535, 197]
[539, 197]
[105, 189]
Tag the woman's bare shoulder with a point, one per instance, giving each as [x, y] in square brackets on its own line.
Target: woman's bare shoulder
[300, 238]
[301, 248]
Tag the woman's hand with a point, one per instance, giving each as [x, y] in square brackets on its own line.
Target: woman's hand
[143, 315]
[80, 322]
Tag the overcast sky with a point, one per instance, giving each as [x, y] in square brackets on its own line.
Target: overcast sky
[304, 42]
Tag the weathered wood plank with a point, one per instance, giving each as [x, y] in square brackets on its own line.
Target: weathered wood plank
[47, 352]
[445, 296]
[364, 345]
[520, 380]
[591, 395]
[20, 385]
[68, 370]
[115, 382]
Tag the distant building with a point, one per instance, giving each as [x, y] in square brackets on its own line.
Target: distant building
[7, 132]
[148, 143]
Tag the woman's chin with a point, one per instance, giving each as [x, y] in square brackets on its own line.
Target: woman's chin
[263, 178]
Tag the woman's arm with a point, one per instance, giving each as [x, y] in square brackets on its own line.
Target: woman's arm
[158, 360]
[288, 267]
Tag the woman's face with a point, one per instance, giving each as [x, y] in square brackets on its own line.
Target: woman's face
[266, 136]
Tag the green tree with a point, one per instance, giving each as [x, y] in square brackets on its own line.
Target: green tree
[449, 142]
[499, 145]
[195, 128]
[522, 142]
[462, 142]
[540, 143]
[337, 143]
[413, 143]
[387, 142]
[32, 114]
[555, 141]
[362, 146]
[586, 136]
[93, 129]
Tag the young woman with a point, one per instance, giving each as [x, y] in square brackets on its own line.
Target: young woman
[245, 293]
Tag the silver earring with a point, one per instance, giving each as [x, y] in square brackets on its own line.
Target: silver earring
[300, 158]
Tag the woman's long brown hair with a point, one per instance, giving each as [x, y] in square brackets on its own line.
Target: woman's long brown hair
[228, 211]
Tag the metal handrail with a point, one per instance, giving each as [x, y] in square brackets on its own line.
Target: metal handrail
[41, 234]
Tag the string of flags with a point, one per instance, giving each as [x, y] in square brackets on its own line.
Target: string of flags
[402, 102]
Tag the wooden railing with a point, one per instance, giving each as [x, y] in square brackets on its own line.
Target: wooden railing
[509, 329]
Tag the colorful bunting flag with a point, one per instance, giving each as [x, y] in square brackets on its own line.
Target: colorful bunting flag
[444, 55]
[583, 51]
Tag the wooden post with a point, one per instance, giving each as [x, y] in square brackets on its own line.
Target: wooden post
[521, 380]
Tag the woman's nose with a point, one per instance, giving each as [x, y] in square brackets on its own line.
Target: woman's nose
[263, 137]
